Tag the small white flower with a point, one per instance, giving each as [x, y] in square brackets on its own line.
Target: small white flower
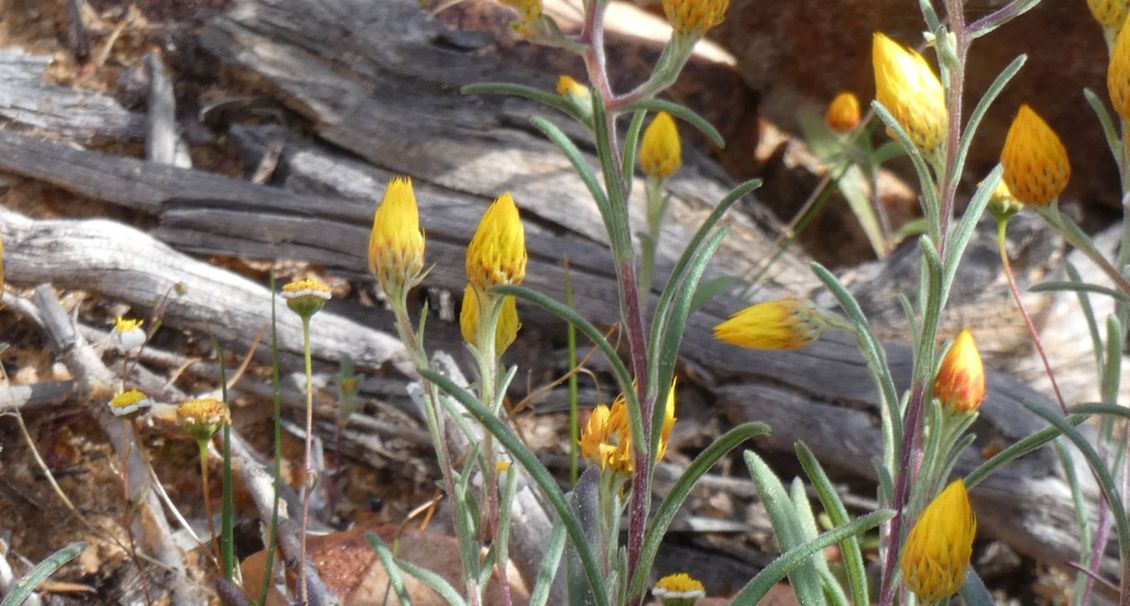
[129, 402]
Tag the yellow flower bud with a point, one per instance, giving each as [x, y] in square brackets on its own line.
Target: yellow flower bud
[396, 244]
[695, 17]
[960, 385]
[1035, 163]
[1109, 13]
[1118, 74]
[784, 324]
[843, 113]
[908, 88]
[939, 546]
[508, 325]
[203, 418]
[306, 297]
[497, 253]
[661, 153]
[678, 590]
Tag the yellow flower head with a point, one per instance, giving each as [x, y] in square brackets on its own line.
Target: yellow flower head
[127, 333]
[1109, 13]
[695, 17]
[678, 590]
[843, 113]
[497, 253]
[528, 12]
[306, 297]
[784, 324]
[661, 153]
[960, 385]
[508, 325]
[1035, 163]
[396, 244]
[606, 439]
[129, 402]
[202, 418]
[908, 88]
[939, 546]
[1118, 74]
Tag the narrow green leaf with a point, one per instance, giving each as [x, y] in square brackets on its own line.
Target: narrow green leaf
[682, 489]
[834, 507]
[833, 591]
[1088, 313]
[1112, 372]
[547, 572]
[1080, 288]
[27, 583]
[544, 97]
[683, 112]
[537, 471]
[562, 141]
[930, 202]
[769, 576]
[710, 289]
[391, 567]
[1113, 140]
[990, 95]
[973, 591]
[963, 232]
[1082, 519]
[804, 576]
[631, 148]
[1017, 450]
[434, 582]
[616, 219]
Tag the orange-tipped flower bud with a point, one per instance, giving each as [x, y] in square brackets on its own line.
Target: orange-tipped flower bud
[1109, 13]
[843, 113]
[1035, 162]
[908, 88]
[497, 253]
[785, 324]
[1118, 74]
[661, 153]
[939, 546]
[508, 325]
[695, 17]
[396, 244]
[960, 385]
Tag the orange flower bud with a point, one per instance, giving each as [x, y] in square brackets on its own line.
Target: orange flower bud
[843, 113]
[960, 385]
[695, 17]
[1035, 162]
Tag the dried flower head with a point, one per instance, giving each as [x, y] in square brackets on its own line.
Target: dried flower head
[306, 297]
[1109, 13]
[695, 17]
[497, 253]
[129, 403]
[661, 153]
[508, 324]
[940, 544]
[606, 440]
[127, 333]
[203, 418]
[784, 324]
[960, 385]
[908, 88]
[396, 244]
[678, 590]
[843, 113]
[1035, 163]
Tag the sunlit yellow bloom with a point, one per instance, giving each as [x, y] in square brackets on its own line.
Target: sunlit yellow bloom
[661, 153]
[1035, 163]
[528, 11]
[306, 297]
[938, 548]
[567, 86]
[1109, 13]
[695, 17]
[508, 325]
[960, 385]
[606, 439]
[202, 418]
[1118, 74]
[129, 402]
[396, 244]
[843, 113]
[785, 324]
[678, 590]
[668, 423]
[497, 253]
[127, 333]
[908, 88]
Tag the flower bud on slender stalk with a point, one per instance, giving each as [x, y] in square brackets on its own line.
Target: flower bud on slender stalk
[843, 113]
[784, 324]
[497, 252]
[306, 297]
[203, 418]
[908, 88]
[695, 17]
[661, 152]
[960, 385]
[396, 244]
[939, 546]
[1036, 168]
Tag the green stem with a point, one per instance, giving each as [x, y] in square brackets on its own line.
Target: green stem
[205, 490]
[574, 418]
[308, 480]
[276, 389]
